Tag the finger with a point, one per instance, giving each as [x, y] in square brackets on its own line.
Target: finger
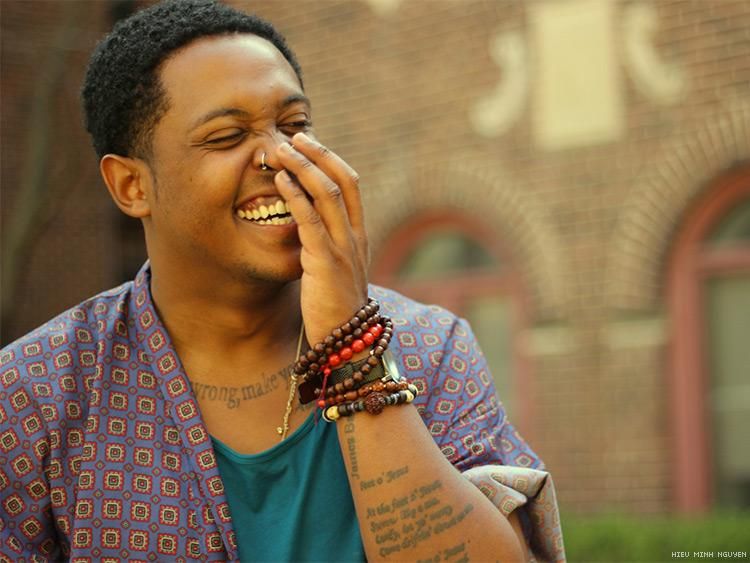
[339, 171]
[312, 232]
[325, 192]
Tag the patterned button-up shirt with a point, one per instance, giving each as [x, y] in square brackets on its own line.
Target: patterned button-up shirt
[104, 454]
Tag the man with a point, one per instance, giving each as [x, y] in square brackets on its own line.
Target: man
[156, 421]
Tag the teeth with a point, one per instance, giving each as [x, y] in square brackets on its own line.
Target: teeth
[262, 214]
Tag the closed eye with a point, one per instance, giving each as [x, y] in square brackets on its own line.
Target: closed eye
[226, 138]
[301, 125]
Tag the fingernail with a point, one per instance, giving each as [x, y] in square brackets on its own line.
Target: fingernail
[302, 136]
[286, 147]
[284, 175]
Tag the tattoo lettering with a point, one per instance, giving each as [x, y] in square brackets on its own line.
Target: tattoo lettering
[447, 555]
[409, 520]
[351, 447]
[387, 477]
[233, 396]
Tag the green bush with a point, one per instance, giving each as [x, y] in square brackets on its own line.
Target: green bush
[614, 538]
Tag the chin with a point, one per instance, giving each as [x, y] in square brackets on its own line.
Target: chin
[282, 274]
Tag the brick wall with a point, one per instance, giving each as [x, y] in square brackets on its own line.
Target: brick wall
[395, 87]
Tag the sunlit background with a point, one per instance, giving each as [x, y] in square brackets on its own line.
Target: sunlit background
[572, 176]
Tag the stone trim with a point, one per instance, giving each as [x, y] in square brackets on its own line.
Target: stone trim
[489, 192]
[654, 208]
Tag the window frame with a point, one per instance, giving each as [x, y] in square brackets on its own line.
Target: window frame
[691, 264]
[455, 289]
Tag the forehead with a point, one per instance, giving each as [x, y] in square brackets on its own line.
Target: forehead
[236, 70]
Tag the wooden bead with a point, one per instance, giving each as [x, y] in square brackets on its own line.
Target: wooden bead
[383, 342]
[349, 383]
[329, 340]
[319, 348]
[379, 351]
[303, 361]
[314, 368]
[357, 333]
[329, 350]
[337, 333]
[339, 399]
[339, 345]
[348, 339]
[350, 395]
[366, 369]
[374, 403]
[339, 387]
[312, 356]
[362, 315]
[391, 386]
[357, 377]
[378, 386]
[355, 322]
[373, 361]
[347, 328]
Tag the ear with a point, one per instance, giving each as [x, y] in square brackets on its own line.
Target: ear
[129, 183]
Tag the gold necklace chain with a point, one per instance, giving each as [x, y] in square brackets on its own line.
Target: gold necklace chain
[284, 429]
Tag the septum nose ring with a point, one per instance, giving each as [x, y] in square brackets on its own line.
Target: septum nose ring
[263, 165]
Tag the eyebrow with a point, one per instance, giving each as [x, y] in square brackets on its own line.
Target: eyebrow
[222, 112]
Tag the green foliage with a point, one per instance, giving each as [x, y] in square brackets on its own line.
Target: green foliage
[614, 538]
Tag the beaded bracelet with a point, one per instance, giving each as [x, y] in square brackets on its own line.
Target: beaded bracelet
[362, 392]
[310, 362]
[374, 403]
[362, 371]
[358, 376]
[363, 329]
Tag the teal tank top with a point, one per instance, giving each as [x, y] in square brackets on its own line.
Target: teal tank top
[292, 502]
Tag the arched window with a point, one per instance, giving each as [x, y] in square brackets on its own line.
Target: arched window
[709, 298]
[447, 258]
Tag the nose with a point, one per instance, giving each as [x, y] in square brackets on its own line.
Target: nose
[265, 157]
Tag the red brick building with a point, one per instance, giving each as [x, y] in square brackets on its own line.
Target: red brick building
[573, 177]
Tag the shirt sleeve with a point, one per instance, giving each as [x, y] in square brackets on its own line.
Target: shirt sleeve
[469, 424]
[27, 532]
[461, 409]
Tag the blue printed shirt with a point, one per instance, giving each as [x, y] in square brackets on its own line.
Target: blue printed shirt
[104, 454]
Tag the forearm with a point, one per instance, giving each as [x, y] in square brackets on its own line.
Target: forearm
[412, 504]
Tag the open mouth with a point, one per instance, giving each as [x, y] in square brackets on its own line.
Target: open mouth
[273, 211]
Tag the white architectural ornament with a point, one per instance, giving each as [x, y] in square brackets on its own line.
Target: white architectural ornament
[384, 7]
[495, 113]
[660, 82]
[577, 94]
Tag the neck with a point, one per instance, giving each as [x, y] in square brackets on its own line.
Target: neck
[232, 320]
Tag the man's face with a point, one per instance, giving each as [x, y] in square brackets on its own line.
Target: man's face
[231, 98]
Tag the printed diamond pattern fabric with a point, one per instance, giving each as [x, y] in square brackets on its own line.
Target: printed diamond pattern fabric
[103, 452]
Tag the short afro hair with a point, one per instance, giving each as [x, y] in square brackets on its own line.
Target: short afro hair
[123, 98]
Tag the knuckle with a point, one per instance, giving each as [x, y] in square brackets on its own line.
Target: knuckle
[324, 151]
[333, 190]
[312, 217]
[305, 164]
